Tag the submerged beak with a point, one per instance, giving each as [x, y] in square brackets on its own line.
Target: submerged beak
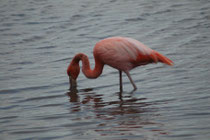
[72, 83]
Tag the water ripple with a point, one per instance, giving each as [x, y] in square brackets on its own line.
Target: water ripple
[39, 38]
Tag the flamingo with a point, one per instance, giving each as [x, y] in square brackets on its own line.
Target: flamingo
[121, 53]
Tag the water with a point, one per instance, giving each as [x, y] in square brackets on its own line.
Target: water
[38, 39]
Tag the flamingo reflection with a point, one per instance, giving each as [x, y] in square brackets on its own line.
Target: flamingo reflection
[126, 114]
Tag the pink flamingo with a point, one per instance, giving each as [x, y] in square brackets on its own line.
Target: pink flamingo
[121, 53]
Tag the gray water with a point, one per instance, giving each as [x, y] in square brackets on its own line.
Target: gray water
[38, 39]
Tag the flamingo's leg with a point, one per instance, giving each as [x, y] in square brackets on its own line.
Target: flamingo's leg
[129, 77]
[120, 76]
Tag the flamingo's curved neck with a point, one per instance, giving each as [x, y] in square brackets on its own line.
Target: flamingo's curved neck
[88, 72]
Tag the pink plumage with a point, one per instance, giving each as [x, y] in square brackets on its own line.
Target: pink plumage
[121, 53]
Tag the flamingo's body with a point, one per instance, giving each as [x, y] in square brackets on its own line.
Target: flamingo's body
[121, 53]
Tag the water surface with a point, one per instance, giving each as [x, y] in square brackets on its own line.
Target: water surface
[38, 39]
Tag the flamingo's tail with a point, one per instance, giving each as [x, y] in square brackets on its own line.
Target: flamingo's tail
[157, 57]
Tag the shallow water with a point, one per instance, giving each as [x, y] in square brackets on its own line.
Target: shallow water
[38, 39]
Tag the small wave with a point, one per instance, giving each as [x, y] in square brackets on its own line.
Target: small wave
[8, 117]
[33, 38]
[17, 90]
[51, 105]
[42, 98]
[46, 47]
[22, 63]
[18, 15]
[134, 19]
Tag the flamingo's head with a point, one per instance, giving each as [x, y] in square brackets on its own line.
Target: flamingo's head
[73, 72]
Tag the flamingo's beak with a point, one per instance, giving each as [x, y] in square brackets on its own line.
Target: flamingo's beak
[73, 83]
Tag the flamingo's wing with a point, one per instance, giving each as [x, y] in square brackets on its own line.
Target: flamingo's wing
[147, 55]
[121, 53]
